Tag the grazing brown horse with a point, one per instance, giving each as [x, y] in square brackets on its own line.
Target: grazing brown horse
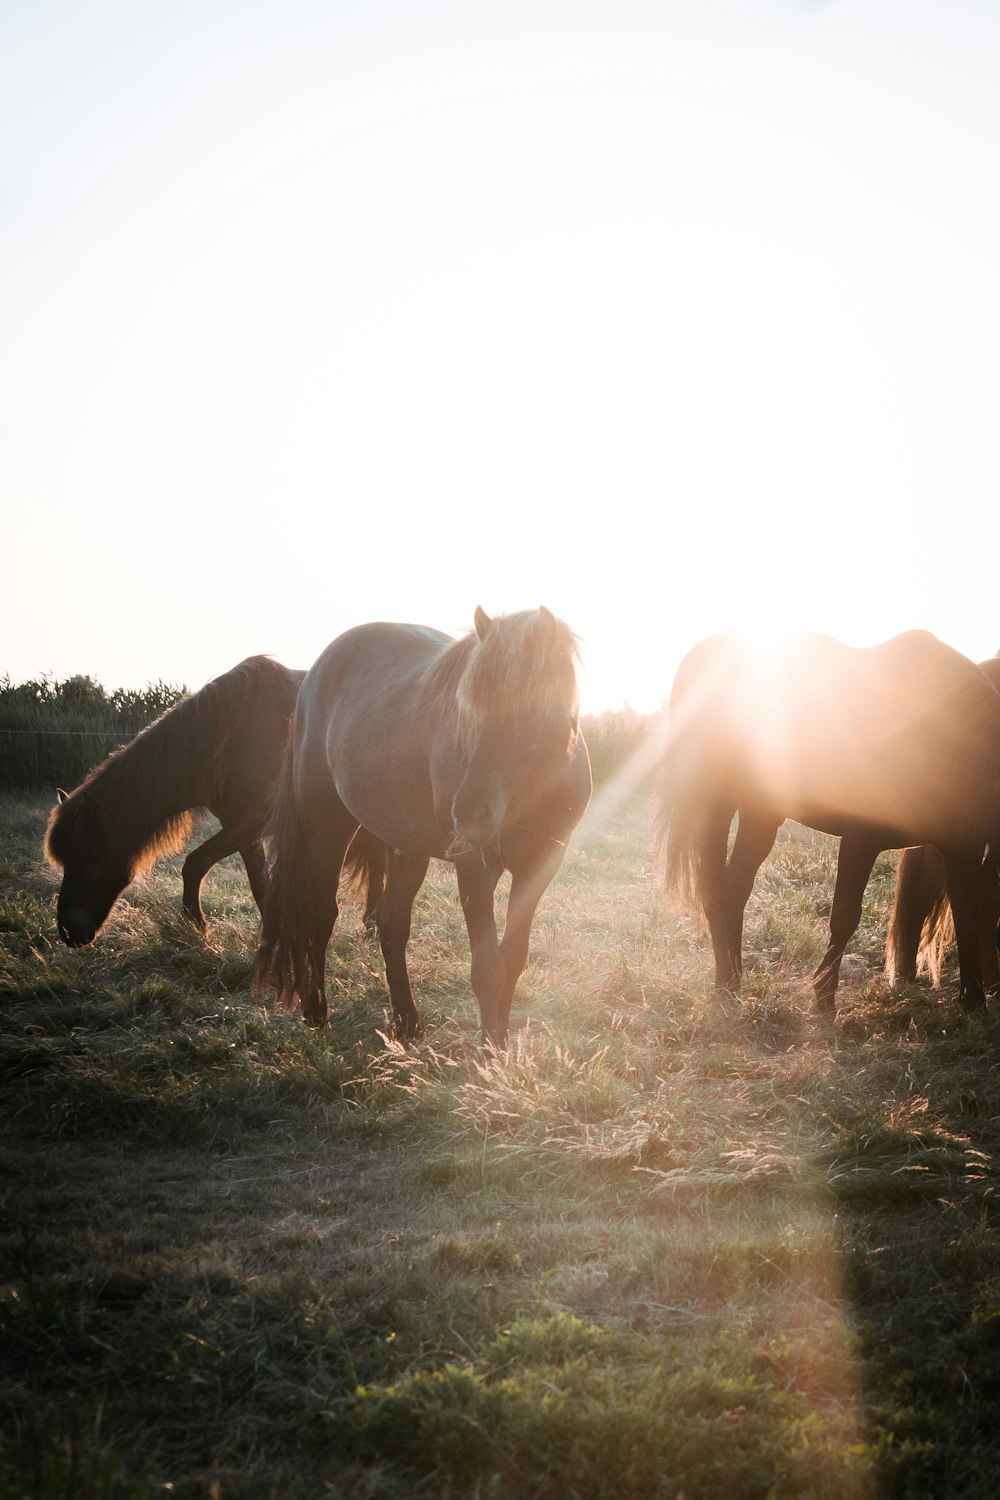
[920, 926]
[885, 747]
[466, 750]
[219, 749]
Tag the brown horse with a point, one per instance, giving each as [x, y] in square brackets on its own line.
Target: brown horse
[465, 750]
[920, 926]
[218, 749]
[885, 747]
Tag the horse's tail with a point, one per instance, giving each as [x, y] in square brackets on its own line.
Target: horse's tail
[694, 764]
[366, 862]
[675, 796]
[920, 925]
[284, 959]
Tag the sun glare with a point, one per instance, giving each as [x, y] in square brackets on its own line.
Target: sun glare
[767, 641]
[554, 315]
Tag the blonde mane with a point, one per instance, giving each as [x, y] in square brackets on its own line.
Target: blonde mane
[522, 663]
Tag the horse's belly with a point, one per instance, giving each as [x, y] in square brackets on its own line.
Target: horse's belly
[909, 801]
[390, 801]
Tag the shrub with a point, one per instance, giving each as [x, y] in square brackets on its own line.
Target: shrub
[52, 733]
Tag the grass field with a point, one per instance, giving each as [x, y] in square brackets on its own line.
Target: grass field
[676, 1244]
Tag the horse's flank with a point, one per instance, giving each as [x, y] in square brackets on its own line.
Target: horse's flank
[154, 782]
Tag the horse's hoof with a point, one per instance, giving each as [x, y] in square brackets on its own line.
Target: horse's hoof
[405, 1028]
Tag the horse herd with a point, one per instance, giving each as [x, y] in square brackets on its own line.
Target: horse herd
[401, 745]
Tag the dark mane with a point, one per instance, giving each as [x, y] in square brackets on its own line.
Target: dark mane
[155, 780]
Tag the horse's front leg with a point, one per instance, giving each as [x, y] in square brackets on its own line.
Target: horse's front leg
[197, 865]
[393, 915]
[478, 875]
[527, 887]
[966, 882]
[855, 862]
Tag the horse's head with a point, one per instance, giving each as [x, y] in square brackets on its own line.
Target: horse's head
[518, 719]
[92, 877]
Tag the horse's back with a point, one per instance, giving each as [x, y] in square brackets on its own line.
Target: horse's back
[261, 679]
[252, 706]
[366, 676]
[381, 650]
[904, 734]
[360, 733]
[990, 668]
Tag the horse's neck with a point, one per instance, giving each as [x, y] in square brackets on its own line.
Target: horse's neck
[141, 794]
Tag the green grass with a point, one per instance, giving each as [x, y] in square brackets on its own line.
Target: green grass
[674, 1243]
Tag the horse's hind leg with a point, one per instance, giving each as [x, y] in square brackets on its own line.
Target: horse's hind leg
[855, 863]
[965, 879]
[405, 876]
[325, 839]
[989, 917]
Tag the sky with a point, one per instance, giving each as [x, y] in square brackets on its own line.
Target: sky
[671, 315]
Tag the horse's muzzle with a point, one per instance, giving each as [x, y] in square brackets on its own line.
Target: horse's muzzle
[476, 820]
[471, 834]
[75, 935]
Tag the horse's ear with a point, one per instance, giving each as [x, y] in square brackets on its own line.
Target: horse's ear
[483, 622]
[61, 796]
[549, 622]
